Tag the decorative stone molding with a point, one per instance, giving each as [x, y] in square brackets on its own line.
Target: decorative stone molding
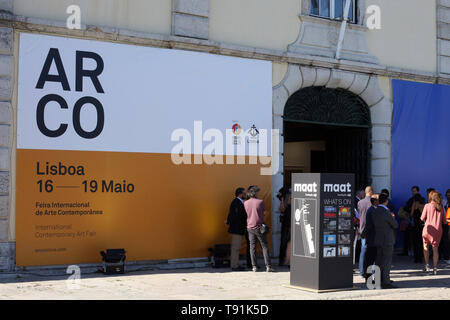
[293, 79]
[443, 47]
[119, 35]
[341, 79]
[309, 76]
[190, 18]
[319, 37]
[368, 89]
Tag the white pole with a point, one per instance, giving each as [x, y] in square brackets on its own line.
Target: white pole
[342, 31]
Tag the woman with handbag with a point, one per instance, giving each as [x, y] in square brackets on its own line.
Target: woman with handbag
[256, 227]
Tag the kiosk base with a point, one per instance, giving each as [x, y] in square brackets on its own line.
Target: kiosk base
[319, 291]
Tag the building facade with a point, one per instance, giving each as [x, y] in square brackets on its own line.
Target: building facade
[299, 38]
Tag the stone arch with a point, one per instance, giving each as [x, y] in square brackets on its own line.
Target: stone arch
[335, 107]
[367, 88]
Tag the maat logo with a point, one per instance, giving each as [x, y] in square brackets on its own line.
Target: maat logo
[305, 187]
[344, 187]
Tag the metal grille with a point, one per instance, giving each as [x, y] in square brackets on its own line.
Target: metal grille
[344, 119]
[327, 106]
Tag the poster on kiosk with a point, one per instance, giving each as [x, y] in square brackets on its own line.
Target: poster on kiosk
[322, 231]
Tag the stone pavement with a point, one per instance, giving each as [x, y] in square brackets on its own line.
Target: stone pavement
[209, 283]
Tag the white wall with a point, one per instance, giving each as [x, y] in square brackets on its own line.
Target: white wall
[139, 15]
[407, 38]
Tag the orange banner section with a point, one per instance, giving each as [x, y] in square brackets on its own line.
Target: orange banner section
[73, 204]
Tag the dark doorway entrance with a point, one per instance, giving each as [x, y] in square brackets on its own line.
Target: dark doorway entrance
[327, 130]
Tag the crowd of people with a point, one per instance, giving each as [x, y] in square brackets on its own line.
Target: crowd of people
[412, 226]
[424, 224]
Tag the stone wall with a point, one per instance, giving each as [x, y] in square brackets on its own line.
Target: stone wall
[7, 247]
[190, 18]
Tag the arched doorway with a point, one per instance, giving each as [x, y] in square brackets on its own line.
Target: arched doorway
[327, 130]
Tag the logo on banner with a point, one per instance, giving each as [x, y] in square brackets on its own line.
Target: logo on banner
[236, 128]
[305, 187]
[253, 135]
[344, 187]
[54, 58]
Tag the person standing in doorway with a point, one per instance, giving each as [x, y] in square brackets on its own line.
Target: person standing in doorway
[237, 221]
[285, 219]
[287, 260]
[385, 225]
[256, 209]
[363, 206]
[433, 216]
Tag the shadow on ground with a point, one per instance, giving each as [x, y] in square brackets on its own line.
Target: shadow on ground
[405, 274]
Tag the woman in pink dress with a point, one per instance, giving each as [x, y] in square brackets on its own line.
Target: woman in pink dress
[433, 216]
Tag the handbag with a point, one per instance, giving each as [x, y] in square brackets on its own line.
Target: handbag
[264, 228]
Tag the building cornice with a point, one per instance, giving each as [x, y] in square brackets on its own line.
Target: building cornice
[35, 25]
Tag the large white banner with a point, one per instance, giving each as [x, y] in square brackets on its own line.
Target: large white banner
[78, 94]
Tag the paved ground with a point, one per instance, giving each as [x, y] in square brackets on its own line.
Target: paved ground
[208, 283]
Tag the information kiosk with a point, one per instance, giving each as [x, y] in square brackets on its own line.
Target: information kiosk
[322, 231]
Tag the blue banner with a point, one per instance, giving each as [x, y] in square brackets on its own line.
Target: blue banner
[420, 139]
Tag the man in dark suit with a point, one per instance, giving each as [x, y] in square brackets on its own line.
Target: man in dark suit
[369, 235]
[237, 221]
[385, 225]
